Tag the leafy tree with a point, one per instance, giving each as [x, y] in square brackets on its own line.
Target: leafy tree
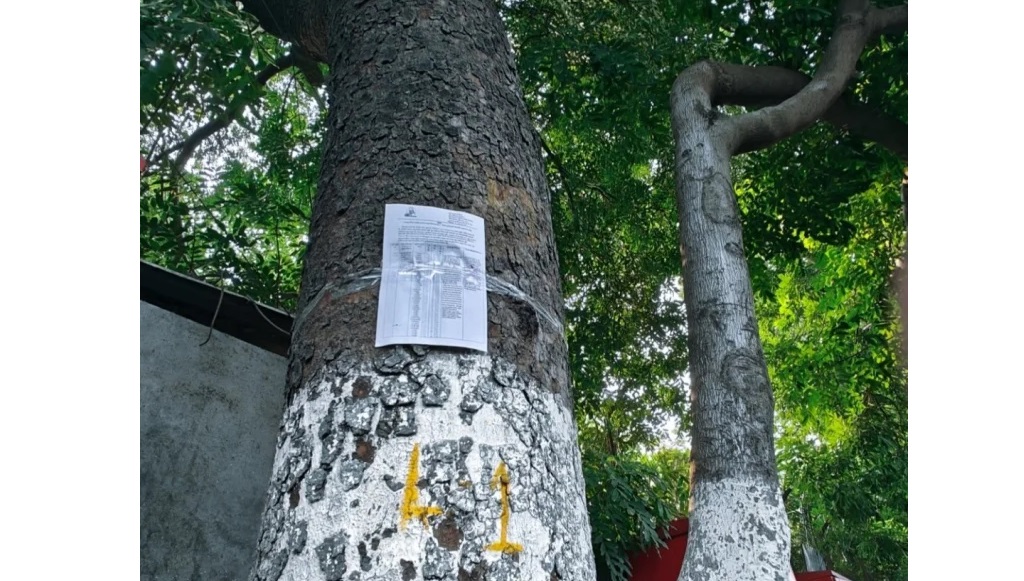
[843, 442]
[222, 201]
[632, 497]
[595, 74]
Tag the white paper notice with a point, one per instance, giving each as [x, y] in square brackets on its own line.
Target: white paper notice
[433, 290]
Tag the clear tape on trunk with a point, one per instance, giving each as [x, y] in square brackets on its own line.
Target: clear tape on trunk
[369, 278]
[501, 287]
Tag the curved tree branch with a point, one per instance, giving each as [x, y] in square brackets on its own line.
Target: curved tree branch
[857, 22]
[234, 109]
[562, 173]
[766, 86]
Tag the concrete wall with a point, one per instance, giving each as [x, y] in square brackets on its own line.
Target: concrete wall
[209, 418]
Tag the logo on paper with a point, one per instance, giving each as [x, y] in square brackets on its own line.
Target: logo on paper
[410, 213]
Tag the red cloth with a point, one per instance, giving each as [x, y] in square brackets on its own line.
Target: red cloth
[665, 564]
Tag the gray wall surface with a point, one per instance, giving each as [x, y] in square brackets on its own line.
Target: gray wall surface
[209, 419]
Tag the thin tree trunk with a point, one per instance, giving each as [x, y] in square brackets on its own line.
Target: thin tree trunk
[739, 528]
[738, 523]
[414, 462]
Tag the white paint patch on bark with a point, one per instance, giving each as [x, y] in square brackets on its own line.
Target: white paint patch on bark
[514, 422]
[740, 522]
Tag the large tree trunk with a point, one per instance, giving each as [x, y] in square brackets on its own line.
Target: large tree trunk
[414, 462]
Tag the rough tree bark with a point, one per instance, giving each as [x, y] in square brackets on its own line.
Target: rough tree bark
[413, 462]
[738, 524]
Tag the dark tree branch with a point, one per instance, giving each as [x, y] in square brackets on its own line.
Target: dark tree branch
[766, 86]
[566, 179]
[857, 22]
[557, 161]
[889, 20]
[885, 130]
[188, 147]
[302, 22]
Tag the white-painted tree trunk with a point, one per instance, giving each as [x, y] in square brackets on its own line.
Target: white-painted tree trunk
[466, 415]
[738, 524]
[739, 530]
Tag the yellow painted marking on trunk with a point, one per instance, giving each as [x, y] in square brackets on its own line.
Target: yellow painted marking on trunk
[501, 480]
[411, 507]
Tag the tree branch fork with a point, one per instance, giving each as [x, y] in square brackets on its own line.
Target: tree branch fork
[790, 100]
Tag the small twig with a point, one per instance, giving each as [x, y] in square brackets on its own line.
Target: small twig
[269, 322]
[277, 244]
[214, 321]
[566, 180]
